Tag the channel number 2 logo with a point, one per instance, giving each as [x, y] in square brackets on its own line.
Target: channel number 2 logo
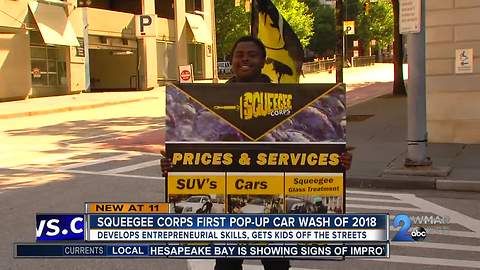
[417, 233]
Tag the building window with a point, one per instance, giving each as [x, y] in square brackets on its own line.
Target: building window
[167, 61]
[165, 9]
[195, 57]
[48, 64]
[130, 6]
[192, 5]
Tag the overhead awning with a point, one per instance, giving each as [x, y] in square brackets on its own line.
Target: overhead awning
[199, 28]
[53, 24]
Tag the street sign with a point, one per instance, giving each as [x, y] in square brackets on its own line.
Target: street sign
[185, 72]
[463, 61]
[145, 25]
[349, 27]
[410, 16]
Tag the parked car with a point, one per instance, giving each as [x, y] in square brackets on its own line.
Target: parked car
[300, 206]
[192, 204]
[224, 68]
[256, 206]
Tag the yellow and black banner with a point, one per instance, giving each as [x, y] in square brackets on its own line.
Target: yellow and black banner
[256, 157]
[256, 148]
[284, 51]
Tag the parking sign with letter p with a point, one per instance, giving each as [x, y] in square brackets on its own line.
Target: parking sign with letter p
[145, 25]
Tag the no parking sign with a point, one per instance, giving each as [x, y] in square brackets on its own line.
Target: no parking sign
[185, 73]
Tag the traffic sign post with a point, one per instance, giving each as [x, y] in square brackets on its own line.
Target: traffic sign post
[410, 14]
[416, 98]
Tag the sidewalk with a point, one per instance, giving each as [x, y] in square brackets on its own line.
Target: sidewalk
[377, 128]
[83, 101]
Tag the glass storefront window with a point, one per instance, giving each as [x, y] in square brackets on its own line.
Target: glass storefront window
[192, 5]
[48, 66]
[52, 52]
[195, 57]
[52, 66]
[166, 61]
[38, 53]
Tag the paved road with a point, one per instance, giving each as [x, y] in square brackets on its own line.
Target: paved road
[55, 163]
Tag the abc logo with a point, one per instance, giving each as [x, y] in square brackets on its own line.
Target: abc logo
[404, 222]
[418, 234]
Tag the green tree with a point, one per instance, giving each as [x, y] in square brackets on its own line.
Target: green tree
[398, 83]
[299, 17]
[376, 23]
[323, 41]
[232, 22]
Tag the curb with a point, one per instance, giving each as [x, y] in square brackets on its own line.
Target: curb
[458, 185]
[72, 108]
[391, 182]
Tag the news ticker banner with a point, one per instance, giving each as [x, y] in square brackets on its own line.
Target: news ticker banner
[213, 228]
[237, 227]
[243, 145]
[213, 250]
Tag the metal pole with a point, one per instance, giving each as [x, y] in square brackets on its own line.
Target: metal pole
[339, 47]
[214, 43]
[344, 48]
[345, 40]
[416, 100]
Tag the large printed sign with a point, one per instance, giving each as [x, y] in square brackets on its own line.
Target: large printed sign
[256, 148]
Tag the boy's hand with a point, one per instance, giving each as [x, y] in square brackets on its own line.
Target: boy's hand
[165, 164]
[346, 158]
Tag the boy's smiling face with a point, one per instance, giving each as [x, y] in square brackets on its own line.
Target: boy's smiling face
[247, 61]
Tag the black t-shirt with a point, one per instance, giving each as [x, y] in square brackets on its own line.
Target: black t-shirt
[262, 78]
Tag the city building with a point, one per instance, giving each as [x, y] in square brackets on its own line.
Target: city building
[55, 47]
[453, 70]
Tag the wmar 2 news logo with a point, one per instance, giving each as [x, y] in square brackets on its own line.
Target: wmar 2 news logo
[417, 233]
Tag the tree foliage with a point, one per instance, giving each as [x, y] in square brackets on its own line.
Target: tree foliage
[299, 17]
[377, 24]
[323, 41]
[232, 22]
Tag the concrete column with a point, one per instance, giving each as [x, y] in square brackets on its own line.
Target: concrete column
[340, 41]
[180, 32]
[210, 59]
[214, 42]
[147, 53]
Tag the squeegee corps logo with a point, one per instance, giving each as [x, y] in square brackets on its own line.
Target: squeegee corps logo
[261, 104]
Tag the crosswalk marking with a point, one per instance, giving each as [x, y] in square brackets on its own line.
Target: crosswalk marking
[85, 172]
[49, 159]
[455, 217]
[448, 233]
[436, 246]
[385, 208]
[134, 167]
[209, 265]
[96, 161]
[379, 202]
[360, 199]
[429, 261]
